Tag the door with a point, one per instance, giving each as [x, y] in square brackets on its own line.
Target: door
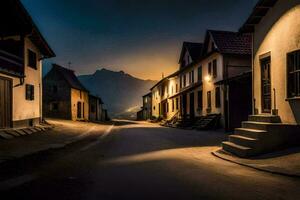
[184, 106]
[79, 110]
[192, 105]
[5, 103]
[266, 85]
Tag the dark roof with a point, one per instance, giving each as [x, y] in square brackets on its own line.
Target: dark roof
[259, 11]
[16, 20]
[194, 49]
[70, 77]
[227, 42]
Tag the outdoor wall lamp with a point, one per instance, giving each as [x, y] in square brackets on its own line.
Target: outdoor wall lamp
[207, 78]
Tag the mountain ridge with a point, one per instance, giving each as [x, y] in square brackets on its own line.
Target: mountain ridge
[119, 91]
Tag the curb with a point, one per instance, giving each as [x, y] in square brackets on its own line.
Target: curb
[256, 168]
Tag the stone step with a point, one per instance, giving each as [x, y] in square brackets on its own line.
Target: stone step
[238, 150]
[5, 135]
[244, 141]
[250, 133]
[265, 118]
[256, 125]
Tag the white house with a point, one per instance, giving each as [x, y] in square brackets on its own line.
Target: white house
[22, 50]
[274, 25]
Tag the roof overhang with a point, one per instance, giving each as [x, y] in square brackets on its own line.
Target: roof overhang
[15, 20]
[260, 10]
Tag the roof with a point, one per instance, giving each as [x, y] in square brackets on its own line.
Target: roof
[194, 49]
[18, 21]
[70, 77]
[166, 78]
[259, 11]
[228, 42]
[97, 97]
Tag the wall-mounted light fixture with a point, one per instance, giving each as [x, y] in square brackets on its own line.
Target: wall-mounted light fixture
[207, 78]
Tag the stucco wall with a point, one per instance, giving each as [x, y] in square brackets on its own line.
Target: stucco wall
[277, 34]
[83, 98]
[23, 109]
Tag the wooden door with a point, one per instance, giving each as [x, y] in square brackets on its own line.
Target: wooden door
[79, 110]
[5, 103]
[266, 85]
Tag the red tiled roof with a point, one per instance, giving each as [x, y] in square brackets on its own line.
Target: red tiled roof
[232, 42]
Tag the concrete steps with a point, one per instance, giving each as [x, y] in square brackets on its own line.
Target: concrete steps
[244, 141]
[250, 139]
[238, 150]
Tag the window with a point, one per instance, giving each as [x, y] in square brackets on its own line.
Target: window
[153, 107]
[218, 97]
[200, 74]
[293, 67]
[29, 92]
[173, 105]
[209, 99]
[209, 68]
[32, 60]
[215, 73]
[184, 80]
[180, 82]
[200, 100]
[192, 76]
[177, 104]
[176, 88]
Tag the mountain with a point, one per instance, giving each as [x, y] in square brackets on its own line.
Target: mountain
[121, 92]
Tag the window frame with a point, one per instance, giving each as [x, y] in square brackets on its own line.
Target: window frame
[29, 92]
[32, 59]
[294, 73]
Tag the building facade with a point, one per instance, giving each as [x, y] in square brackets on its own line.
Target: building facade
[22, 50]
[213, 79]
[64, 96]
[274, 25]
[96, 109]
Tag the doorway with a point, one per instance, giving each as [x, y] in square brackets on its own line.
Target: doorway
[79, 110]
[266, 85]
[5, 103]
[184, 106]
[192, 105]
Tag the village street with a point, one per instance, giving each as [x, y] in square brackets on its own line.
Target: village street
[139, 160]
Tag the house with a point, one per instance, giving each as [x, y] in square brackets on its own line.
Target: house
[163, 106]
[95, 109]
[147, 106]
[215, 80]
[22, 50]
[274, 25]
[64, 96]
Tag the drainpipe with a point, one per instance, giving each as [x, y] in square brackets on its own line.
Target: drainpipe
[254, 110]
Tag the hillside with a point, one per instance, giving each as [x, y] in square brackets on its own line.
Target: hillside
[120, 92]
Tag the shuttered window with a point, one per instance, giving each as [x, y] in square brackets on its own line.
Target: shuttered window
[200, 100]
[29, 92]
[293, 73]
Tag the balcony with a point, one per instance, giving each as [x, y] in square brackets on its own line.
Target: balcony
[11, 58]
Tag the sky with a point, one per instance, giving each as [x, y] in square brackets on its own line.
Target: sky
[141, 37]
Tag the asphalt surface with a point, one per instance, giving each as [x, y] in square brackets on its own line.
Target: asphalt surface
[135, 160]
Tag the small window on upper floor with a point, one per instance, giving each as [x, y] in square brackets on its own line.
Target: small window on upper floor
[32, 59]
[215, 68]
[209, 69]
[200, 74]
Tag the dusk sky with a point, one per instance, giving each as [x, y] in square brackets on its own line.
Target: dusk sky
[140, 37]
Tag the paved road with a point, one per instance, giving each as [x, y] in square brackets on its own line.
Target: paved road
[141, 161]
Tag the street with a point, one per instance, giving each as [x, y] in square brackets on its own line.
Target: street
[139, 160]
